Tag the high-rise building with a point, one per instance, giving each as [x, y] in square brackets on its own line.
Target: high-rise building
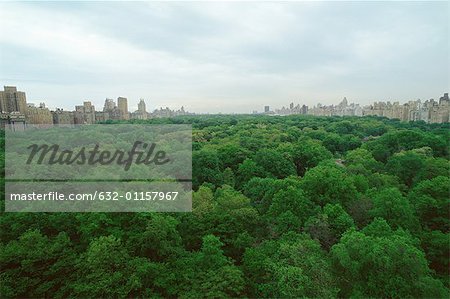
[141, 113]
[12, 100]
[304, 109]
[122, 105]
[39, 115]
[85, 114]
[266, 109]
[109, 105]
[62, 117]
[141, 106]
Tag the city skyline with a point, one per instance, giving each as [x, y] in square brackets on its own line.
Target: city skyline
[225, 57]
[14, 108]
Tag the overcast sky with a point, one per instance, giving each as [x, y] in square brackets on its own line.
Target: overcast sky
[224, 57]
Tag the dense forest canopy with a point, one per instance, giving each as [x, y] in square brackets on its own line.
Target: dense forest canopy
[283, 207]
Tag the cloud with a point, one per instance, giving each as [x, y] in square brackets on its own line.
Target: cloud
[229, 57]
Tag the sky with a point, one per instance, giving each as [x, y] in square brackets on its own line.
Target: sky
[233, 57]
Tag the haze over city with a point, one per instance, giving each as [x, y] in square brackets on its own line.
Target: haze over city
[225, 57]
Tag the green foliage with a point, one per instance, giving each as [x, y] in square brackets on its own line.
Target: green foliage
[431, 201]
[292, 267]
[158, 237]
[432, 167]
[226, 214]
[328, 226]
[205, 274]
[308, 153]
[37, 266]
[290, 209]
[379, 262]
[283, 207]
[275, 163]
[329, 184]
[396, 141]
[405, 166]
[228, 177]
[262, 190]
[396, 209]
[231, 155]
[363, 158]
[107, 270]
[436, 246]
[206, 168]
[248, 170]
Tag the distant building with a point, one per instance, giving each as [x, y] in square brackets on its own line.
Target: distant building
[304, 109]
[293, 109]
[141, 106]
[12, 100]
[167, 112]
[61, 117]
[122, 105]
[430, 111]
[85, 114]
[141, 113]
[39, 115]
[266, 109]
[110, 111]
[15, 111]
[109, 105]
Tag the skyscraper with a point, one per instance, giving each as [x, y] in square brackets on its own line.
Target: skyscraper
[122, 105]
[85, 114]
[141, 113]
[109, 105]
[141, 106]
[12, 100]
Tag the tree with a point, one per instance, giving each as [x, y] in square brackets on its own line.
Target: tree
[430, 200]
[436, 246]
[364, 158]
[379, 262]
[405, 166]
[262, 190]
[329, 225]
[231, 155]
[36, 266]
[205, 168]
[329, 184]
[235, 221]
[307, 153]
[292, 267]
[228, 177]
[283, 207]
[275, 163]
[206, 273]
[397, 140]
[432, 167]
[290, 209]
[106, 270]
[396, 209]
[156, 238]
[228, 215]
[248, 170]
[196, 224]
